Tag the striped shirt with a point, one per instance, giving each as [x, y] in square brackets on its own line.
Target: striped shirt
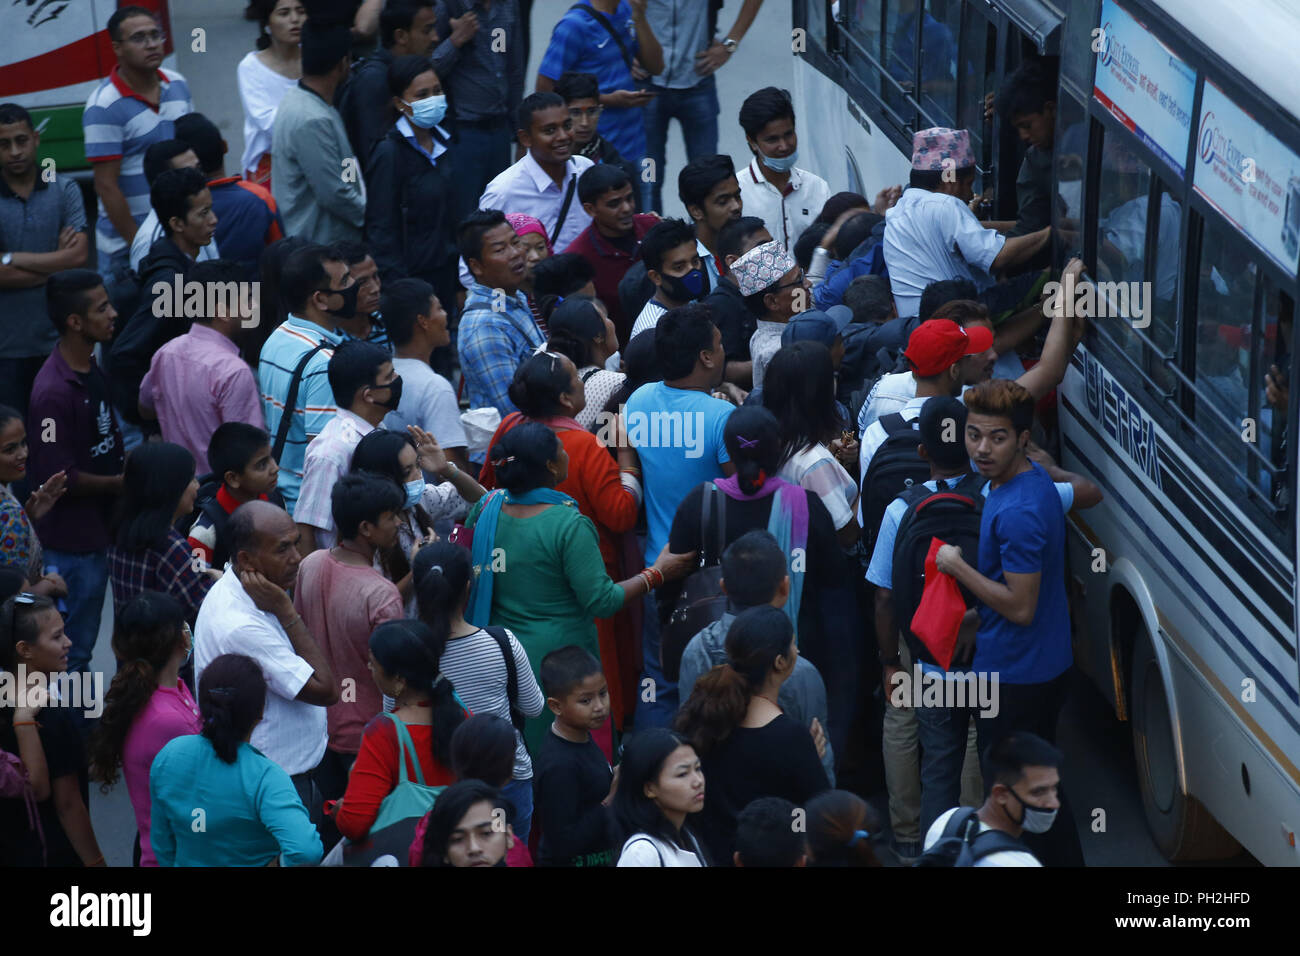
[314, 407]
[120, 124]
[476, 668]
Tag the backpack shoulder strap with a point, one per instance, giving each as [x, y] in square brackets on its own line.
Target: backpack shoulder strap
[654, 846]
[499, 635]
[894, 424]
[590, 372]
[959, 824]
[291, 401]
[988, 842]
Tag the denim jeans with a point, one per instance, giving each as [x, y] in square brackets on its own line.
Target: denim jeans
[696, 110]
[944, 733]
[520, 795]
[482, 153]
[659, 711]
[86, 574]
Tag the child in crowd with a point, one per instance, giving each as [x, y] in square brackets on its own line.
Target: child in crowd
[574, 782]
[242, 470]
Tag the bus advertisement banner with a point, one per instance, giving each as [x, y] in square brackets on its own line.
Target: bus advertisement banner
[1144, 85]
[1249, 176]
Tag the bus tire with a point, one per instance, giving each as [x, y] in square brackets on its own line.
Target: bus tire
[1179, 823]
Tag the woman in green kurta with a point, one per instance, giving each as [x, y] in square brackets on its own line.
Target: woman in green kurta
[537, 559]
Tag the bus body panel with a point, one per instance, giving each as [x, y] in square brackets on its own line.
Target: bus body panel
[1231, 695]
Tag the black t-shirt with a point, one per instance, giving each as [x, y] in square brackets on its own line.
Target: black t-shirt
[571, 781]
[778, 759]
[826, 566]
[65, 756]
[733, 319]
[105, 456]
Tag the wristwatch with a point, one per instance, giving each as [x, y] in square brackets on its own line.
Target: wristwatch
[730, 44]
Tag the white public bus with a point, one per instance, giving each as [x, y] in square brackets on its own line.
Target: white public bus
[1176, 165]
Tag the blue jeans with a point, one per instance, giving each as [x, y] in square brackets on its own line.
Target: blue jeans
[482, 153]
[659, 711]
[520, 794]
[942, 732]
[86, 574]
[696, 110]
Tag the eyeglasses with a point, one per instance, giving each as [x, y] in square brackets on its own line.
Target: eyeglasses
[147, 38]
[25, 598]
[591, 113]
[799, 280]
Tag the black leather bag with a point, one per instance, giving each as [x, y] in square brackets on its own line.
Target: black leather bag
[701, 601]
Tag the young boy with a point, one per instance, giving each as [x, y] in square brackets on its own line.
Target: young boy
[766, 837]
[574, 783]
[243, 469]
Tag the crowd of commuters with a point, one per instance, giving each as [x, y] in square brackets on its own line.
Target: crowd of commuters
[507, 522]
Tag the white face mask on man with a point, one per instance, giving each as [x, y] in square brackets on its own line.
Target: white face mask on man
[1034, 819]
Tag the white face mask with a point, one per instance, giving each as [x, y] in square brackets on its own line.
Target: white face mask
[1034, 819]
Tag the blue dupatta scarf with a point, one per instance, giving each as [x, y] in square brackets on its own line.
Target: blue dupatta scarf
[479, 610]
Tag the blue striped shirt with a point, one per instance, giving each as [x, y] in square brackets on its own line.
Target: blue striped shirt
[119, 124]
[314, 407]
[493, 342]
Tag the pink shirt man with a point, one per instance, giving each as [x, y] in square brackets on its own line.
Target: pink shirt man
[171, 712]
[341, 605]
[194, 383]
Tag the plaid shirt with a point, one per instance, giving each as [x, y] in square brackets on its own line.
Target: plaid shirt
[493, 344]
[170, 570]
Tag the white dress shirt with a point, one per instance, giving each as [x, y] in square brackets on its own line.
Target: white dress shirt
[527, 188]
[788, 215]
[292, 733]
[931, 236]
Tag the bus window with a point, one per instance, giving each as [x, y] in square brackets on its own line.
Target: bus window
[1160, 295]
[1070, 158]
[938, 51]
[817, 26]
[1077, 58]
[862, 26]
[976, 69]
[939, 78]
[1273, 361]
[1225, 303]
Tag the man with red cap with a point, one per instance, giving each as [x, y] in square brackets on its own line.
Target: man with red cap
[934, 352]
[932, 232]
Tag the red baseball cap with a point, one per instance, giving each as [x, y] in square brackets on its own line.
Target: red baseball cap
[938, 344]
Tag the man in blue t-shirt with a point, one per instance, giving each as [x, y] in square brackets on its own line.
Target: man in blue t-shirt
[676, 428]
[605, 37]
[1024, 629]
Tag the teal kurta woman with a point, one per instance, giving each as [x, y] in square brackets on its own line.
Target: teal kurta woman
[548, 583]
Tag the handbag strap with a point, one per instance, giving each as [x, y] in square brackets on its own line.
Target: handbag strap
[714, 503]
[609, 28]
[291, 401]
[564, 209]
[407, 747]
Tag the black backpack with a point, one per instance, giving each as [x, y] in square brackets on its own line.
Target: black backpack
[894, 468]
[963, 844]
[952, 514]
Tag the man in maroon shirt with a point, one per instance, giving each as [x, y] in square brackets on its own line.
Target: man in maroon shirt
[72, 429]
[612, 243]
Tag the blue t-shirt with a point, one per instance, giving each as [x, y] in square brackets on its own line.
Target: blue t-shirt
[677, 433]
[580, 43]
[1023, 531]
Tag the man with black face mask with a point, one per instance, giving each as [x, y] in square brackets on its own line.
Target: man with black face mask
[672, 263]
[365, 389]
[1022, 778]
[317, 289]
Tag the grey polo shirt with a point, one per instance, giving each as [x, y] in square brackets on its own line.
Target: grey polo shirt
[33, 225]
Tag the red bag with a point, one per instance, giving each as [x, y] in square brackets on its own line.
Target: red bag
[938, 616]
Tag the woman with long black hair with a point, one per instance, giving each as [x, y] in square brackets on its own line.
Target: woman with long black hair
[660, 786]
[404, 660]
[799, 389]
[147, 704]
[749, 747]
[251, 812]
[148, 553]
[475, 659]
